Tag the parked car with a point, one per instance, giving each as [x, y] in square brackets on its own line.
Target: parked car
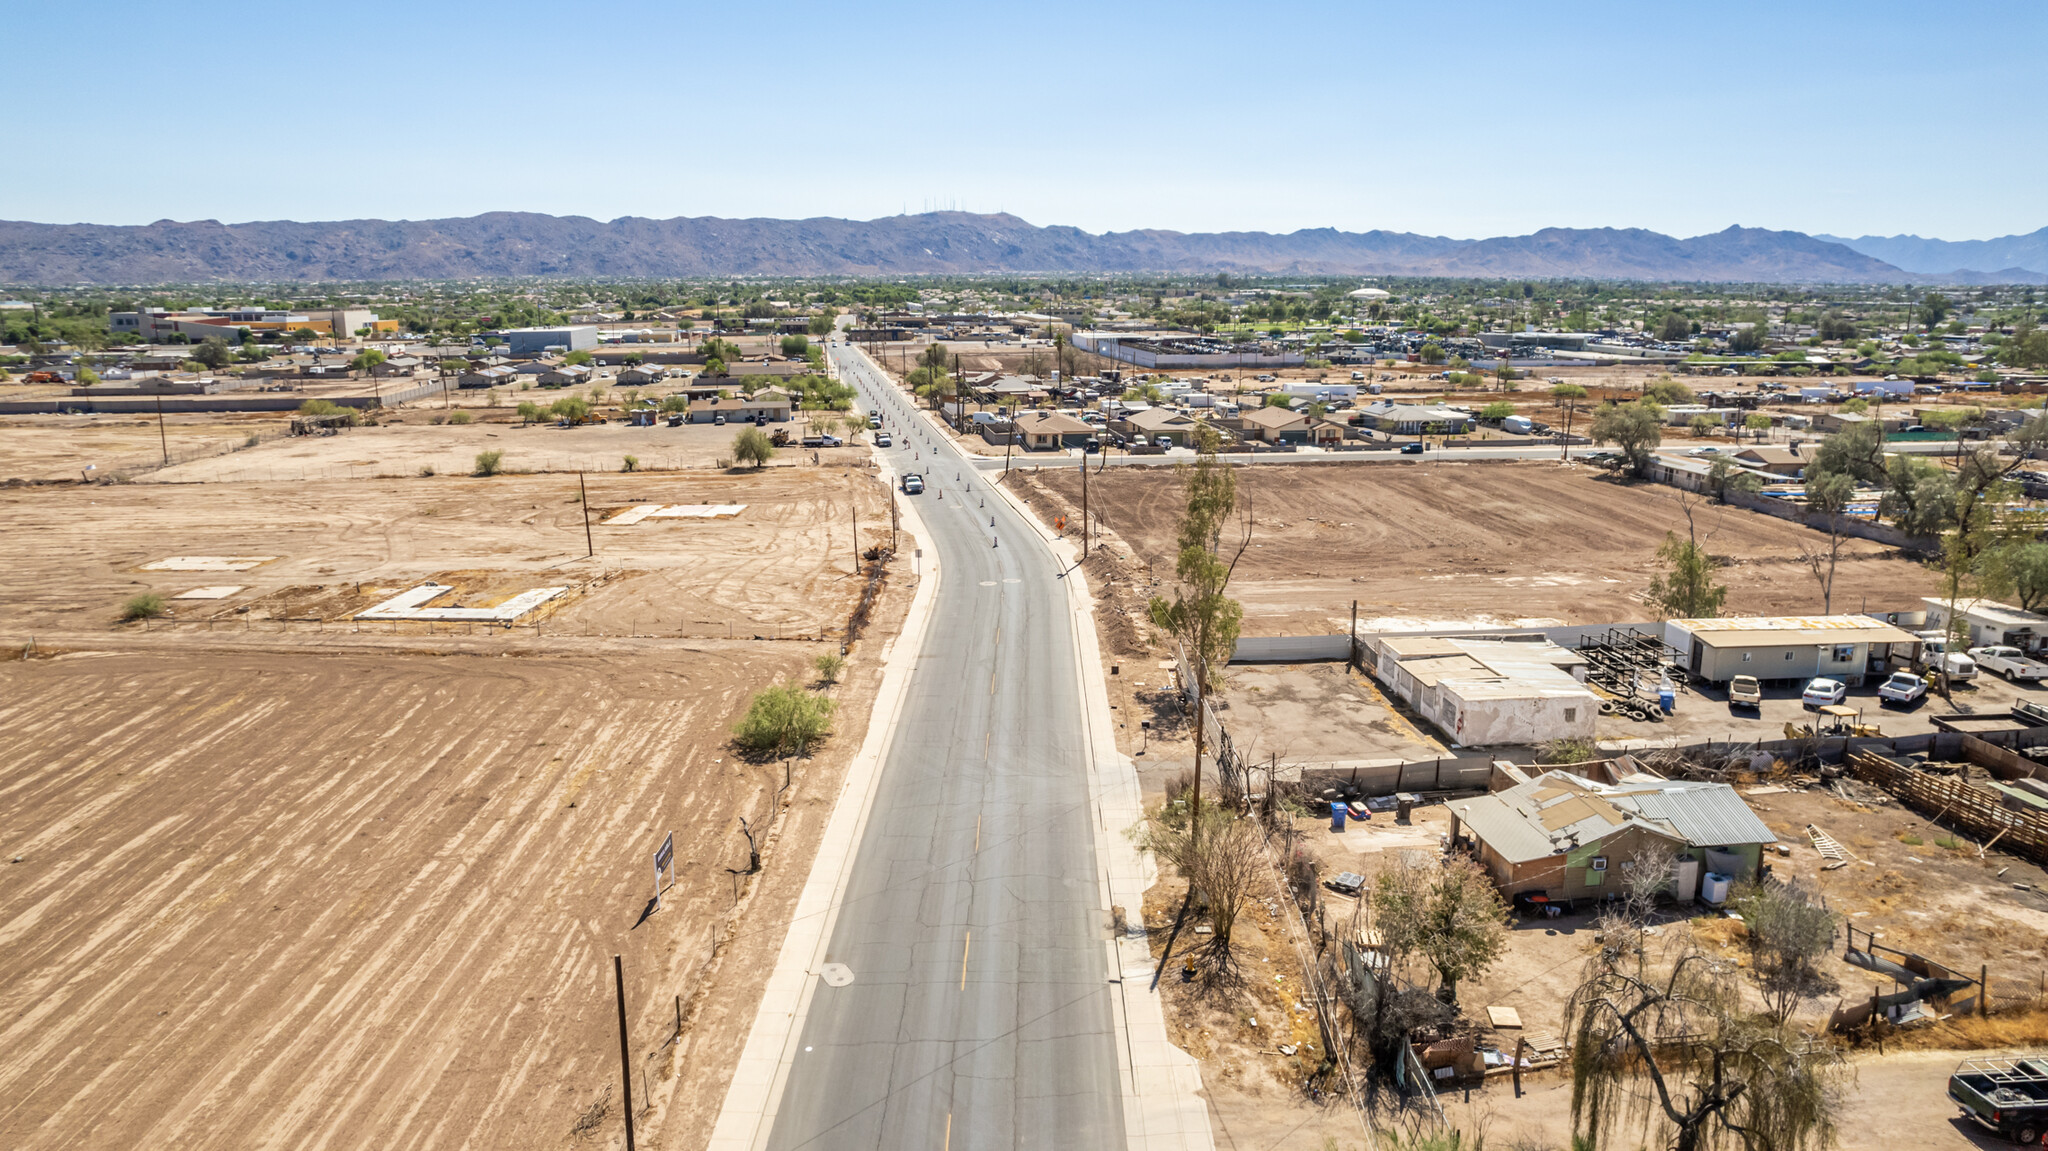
[1745, 691]
[833, 441]
[882, 440]
[2010, 662]
[913, 485]
[813, 441]
[1414, 449]
[1902, 688]
[718, 420]
[1823, 691]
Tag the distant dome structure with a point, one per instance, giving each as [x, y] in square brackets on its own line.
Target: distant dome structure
[1371, 294]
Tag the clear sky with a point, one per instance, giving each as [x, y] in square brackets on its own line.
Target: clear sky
[1454, 118]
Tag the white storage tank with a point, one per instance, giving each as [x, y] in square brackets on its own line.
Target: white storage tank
[1685, 878]
[1714, 888]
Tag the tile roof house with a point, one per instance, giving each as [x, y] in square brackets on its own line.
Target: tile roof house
[1051, 430]
[1573, 838]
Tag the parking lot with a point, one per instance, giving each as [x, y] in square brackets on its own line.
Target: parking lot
[1703, 713]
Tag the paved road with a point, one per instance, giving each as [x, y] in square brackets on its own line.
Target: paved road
[1507, 451]
[979, 1014]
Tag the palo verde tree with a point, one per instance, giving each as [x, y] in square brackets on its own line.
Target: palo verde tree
[1201, 617]
[1827, 496]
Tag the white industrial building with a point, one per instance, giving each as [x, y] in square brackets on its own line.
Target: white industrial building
[1844, 647]
[1991, 624]
[1486, 692]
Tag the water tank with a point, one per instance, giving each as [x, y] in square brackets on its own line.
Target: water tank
[1714, 888]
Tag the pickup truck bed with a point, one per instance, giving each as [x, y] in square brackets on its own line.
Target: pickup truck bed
[2010, 663]
[2008, 1095]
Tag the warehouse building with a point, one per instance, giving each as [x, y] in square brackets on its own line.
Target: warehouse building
[1490, 692]
[537, 341]
[1988, 624]
[1789, 648]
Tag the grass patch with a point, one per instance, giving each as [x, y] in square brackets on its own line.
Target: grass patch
[1910, 840]
[1949, 842]
[458, 416]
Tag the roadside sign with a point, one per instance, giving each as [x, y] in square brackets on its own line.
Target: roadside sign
[664, 861]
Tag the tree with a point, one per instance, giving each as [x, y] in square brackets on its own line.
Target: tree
[366, 361]
[1201, 616]
[576, 359]
[829, 666]
[795, 345]
[212, 352]
[1220, 854]
[2027, 347]
[1703, 425]
[1687, 589]
[488, 462]
[1933, 310]
[2020, 567]
[528, 411]
[1757, 422]
[752, 446]
[1673, 328]
[1498, 410]
[1980, 489]
[1857, 451]
[823, 323]
[1431, 353]
[1635, 428]
[782, 718]
[1787, 935]
[1747, 339]
[1446, 913]
[1718, 1076]
[1669, 392]
[1827, 495]
[1836, 326]
[1569, 396]
[1919, 496]
[574, 409]
[1724, 475]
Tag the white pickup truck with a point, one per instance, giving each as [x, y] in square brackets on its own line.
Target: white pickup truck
[2010, 662]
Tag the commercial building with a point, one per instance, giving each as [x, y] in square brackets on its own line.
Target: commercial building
[537, 341]
[1986, 624]
[774, 408]
[1568, 837]
[1155, 351]
[1489, 692]
[1787, 648]
[158, 325]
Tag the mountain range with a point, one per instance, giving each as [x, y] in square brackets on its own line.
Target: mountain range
[508, 244]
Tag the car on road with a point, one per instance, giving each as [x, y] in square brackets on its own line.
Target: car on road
[2010, 662]
[874, 421]
[1414, 449]
[1823, 691]
[1745, 691]
[1704, 452]
[1902, 688]
[913, 484]
[882, 440]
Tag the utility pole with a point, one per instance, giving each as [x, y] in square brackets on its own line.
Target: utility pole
[856, 541]
[161, 439]
[584, 495]
[1084, 502]
[625, 1051]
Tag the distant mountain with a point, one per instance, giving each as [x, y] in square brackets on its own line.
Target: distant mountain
[528, 244]
[2004, 258]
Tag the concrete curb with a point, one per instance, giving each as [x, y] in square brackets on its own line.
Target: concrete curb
[752, 1099]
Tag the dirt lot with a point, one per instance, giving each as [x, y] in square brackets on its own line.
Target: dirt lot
[785, 564]
[284, 879]
[411, 442]
[1474, 544]
[1317, 713]
[61, 447]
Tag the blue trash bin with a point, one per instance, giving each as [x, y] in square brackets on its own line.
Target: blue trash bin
[1668, 700]
[1337, 813]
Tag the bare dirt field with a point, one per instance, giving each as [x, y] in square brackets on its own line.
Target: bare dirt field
[785, 563]
[1473, 544]
[280, 878]
[61, 447]
[410, 442]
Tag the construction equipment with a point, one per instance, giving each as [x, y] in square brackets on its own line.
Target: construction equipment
[1835, 720]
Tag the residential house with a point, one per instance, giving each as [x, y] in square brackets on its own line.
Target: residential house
[1414, 419]
[566, 376]
[1051, 430]
[486, 377]
[1571, 838]
[1150, 424]
[1778, 461]
[641, 374]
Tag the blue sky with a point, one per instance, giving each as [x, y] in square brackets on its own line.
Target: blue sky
[1462, 119]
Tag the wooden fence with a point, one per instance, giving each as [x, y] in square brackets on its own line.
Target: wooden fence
[1963, 806]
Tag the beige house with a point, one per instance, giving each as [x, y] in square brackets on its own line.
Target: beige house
[1051, 430]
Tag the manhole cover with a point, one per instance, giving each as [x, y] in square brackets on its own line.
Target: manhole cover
[836, 974]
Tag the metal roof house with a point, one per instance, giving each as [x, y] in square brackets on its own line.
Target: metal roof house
[1574, 838]
[1844, 647]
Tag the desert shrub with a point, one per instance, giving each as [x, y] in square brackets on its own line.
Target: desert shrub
[458, 416]
[148, 605]
[1911, 840]
[426, 470]
[487, 463]
[632, 464]
[829, 666]
[330, 408]
[783, 717]
[1565, 751]
[528, 411]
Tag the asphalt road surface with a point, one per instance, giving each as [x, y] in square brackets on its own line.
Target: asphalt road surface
[979, 1012]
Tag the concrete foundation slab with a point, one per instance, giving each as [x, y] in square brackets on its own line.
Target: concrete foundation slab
[219, 591]
[207, 563]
